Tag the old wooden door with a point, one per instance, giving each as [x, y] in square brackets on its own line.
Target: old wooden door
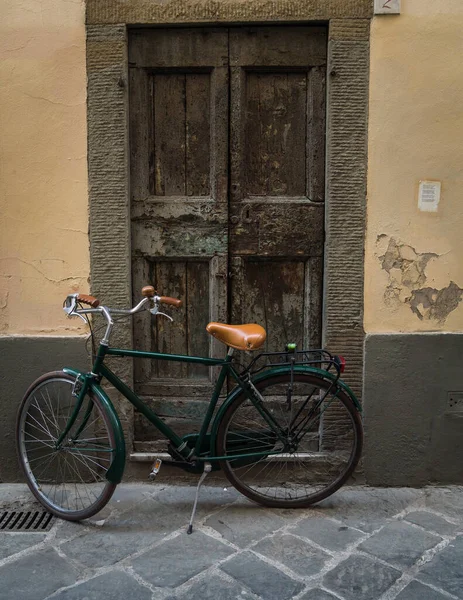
[227, 189]
[277, 180]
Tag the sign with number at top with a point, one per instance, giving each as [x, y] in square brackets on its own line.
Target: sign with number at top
[387, 7]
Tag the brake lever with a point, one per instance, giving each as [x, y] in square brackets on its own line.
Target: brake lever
[155, 311]
[70, 304]
[76, 314]
[168, 316]
[71, 308]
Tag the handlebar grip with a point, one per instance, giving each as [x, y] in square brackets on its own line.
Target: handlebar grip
[171, 301]
[90, 300]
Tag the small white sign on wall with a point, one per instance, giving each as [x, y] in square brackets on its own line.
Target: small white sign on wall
[429, 196]
[387, 7]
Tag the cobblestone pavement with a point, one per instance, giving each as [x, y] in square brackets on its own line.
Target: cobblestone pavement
[362, 544]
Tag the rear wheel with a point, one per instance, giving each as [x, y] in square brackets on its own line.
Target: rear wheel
[306, 442]
[69, 480]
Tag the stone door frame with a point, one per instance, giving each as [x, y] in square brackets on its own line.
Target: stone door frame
[346, 148]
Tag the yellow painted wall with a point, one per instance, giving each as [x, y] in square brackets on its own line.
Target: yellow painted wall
[43, 164]
[415, 133]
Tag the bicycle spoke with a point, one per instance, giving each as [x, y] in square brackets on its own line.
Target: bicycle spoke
[30, 460]
[91, 459]
[39, 428]
[37, 440]
[45, 418]
[95, 474]
[49, 403]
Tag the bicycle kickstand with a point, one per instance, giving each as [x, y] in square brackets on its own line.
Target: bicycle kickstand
[207, 470]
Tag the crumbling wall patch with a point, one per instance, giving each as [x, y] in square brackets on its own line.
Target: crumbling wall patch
[406, 269]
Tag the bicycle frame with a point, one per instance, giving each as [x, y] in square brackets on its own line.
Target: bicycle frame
[91, 382]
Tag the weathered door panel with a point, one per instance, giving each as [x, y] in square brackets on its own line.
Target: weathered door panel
[179, 201]
[281, 293]
[277, 95]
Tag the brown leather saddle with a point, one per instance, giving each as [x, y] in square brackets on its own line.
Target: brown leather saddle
[241, 337]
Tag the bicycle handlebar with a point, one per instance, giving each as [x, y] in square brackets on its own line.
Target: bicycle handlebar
[150, 297]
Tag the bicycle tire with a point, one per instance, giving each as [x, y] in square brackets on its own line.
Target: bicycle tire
[73, 474]
[243, 421]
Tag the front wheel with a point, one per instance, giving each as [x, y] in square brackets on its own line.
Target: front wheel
[68, 479]
[297, 447]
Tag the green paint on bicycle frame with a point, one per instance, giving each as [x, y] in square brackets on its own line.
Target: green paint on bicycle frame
[125, 390]
[102, 350]
[116, 470]
[132, 397]
[83, 425]
[227, 368]
[264, 413]
[198, 360]
[101, 369]
[75, 412]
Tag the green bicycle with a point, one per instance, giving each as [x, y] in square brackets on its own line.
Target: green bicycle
[289, 435]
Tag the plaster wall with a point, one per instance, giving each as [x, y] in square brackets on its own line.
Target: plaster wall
[44, 252]
[413, 266]
[415, 128]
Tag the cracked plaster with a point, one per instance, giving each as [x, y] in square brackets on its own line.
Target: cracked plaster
[406, 269]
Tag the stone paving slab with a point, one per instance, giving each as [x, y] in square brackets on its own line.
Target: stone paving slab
[263, 579]
[122, 587]
[12, 543]
[294, 553]
[432, 522]
[359, 544]
[327, 533]
[445, 571]
[121, 536]
[215, 587]
[35, 576]
[375, 509]
[179, 559]
[360, 578]
[259, 522]
[417, 591]
[400, 544]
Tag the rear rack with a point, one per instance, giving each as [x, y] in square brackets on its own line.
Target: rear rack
[321, 359]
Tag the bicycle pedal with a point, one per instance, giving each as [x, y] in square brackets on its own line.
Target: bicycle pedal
[155, 469]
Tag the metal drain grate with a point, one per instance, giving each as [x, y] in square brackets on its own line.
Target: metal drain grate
[26, 521]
